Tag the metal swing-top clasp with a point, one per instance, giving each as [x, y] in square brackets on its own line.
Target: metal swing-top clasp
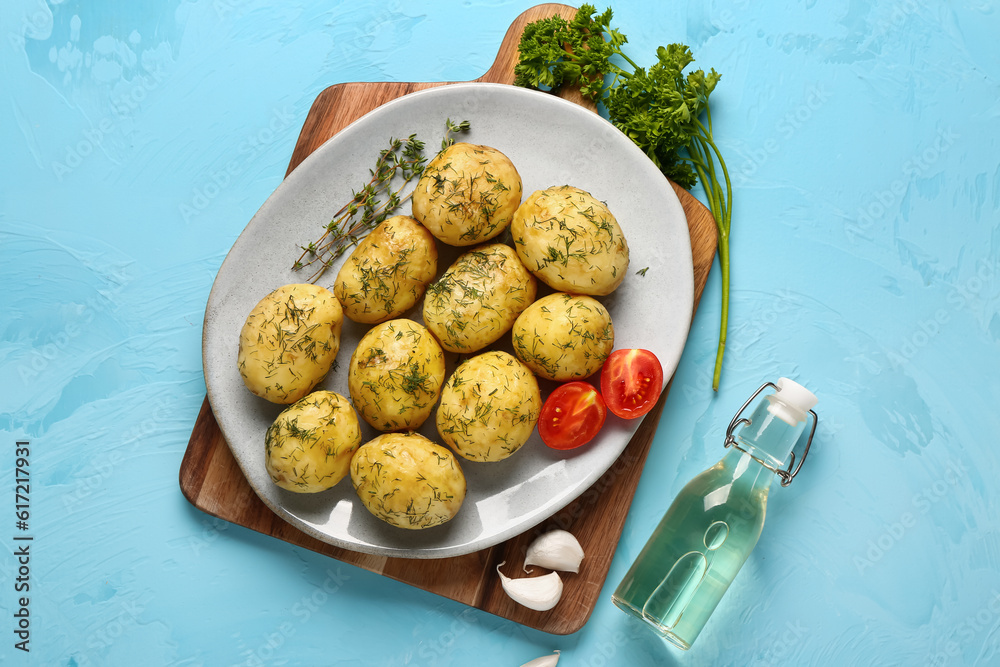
[786, 475]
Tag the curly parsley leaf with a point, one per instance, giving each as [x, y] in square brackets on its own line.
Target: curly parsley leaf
[556, 52]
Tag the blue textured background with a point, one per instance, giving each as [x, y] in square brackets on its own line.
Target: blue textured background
[863, 141]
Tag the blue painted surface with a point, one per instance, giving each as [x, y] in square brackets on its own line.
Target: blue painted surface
[139, 138]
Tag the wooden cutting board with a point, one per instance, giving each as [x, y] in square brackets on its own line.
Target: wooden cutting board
[211, 480]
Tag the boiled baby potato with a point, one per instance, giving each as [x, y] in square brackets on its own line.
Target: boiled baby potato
[489, 407]
[467, 194]
[289, 342]
[408, 481]
[478, 298]
[388, 271]
[570, 241]
[564, 336]
[395, 375]
[309, 446]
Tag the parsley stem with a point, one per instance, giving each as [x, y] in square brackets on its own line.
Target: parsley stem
[629, 61]
[724, 264]
[706, 136]
[721, 206]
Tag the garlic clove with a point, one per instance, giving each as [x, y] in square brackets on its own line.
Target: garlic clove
[544, 661]
[555, 550]
[538, 593]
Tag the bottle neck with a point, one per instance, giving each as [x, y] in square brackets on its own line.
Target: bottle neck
[769, 437]
[742, 478]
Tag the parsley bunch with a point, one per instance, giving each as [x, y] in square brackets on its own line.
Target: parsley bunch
[660, 109]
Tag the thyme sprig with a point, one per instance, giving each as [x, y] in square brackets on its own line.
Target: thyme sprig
[395, 167]
[453, 128]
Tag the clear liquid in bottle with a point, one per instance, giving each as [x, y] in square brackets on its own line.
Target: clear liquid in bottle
[710, 529]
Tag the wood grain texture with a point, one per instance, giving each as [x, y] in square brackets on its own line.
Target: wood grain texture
[211, 480]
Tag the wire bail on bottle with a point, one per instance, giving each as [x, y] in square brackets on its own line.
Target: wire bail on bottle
[786, 475]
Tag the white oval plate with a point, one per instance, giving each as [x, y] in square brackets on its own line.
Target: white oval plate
[551, 142]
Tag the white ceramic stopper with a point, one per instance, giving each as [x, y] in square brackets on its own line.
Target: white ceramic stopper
[791, 402]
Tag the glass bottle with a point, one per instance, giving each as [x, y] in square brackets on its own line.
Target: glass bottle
[714, 523]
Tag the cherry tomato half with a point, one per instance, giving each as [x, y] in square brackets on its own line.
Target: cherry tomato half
[631, 382]
[572, 415]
